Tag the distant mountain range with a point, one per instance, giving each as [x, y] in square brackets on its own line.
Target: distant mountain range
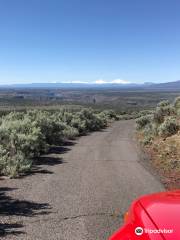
[173, 86]
[166, 86]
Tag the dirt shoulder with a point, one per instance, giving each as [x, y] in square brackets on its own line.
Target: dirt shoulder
[163, 154]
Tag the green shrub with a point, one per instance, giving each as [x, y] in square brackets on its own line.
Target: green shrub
[178, 112]
[103, 120]
[50, 125]
[70, 133]
[162, 122]
[23, 136]
[79, 124]
[14, 116]
[147, 140]
[143, 121]
[14, 165]
[110, 114]
[90, 120]
[158, 115]
[162, 111]
[19, 144]
[168, 127]
[66, 117]
[177, 102]
[163, 103]
[26, 135]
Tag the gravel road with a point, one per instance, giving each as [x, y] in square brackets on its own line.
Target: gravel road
[79, 191]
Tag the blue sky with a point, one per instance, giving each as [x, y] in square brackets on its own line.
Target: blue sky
[97, 40]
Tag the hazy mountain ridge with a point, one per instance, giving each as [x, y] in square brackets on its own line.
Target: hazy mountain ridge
[167, 86]
[146, 86]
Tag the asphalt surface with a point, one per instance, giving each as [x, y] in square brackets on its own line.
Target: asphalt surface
[81, 190]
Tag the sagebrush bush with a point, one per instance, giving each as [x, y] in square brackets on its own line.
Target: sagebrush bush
[111, 114]
[16, 164]
[162, 122]
[79, 124]
[70, 133]
[144, 113]
[143, 121]
[50, 125]
[19, 143]
[163, 103]
[91, 121]
[162, 111]
[178, 112]
[147, 140]
[177, 104]
[103, 119]
[168, 127]
[26, 135]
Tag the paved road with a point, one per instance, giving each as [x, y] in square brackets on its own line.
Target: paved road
[82, 193]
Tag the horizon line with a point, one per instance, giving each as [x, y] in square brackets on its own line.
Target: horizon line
[97, 82]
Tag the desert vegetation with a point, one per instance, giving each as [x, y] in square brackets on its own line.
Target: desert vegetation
[122, 101]
[26, 135]
[159, 133]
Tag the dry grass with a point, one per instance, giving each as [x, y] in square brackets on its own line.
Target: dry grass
[165, 157]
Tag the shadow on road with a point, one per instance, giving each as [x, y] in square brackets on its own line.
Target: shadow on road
[50, 159]
[14, 207]
[47, 161]
[7, 229]
[62, 149]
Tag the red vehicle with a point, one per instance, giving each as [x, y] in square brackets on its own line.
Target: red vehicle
[152, 217]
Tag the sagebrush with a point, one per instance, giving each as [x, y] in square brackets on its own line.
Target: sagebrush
[26, 135]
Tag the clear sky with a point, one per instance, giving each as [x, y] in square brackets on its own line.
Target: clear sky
[89, 40]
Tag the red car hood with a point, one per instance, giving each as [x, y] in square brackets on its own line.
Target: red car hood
[164, 211]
